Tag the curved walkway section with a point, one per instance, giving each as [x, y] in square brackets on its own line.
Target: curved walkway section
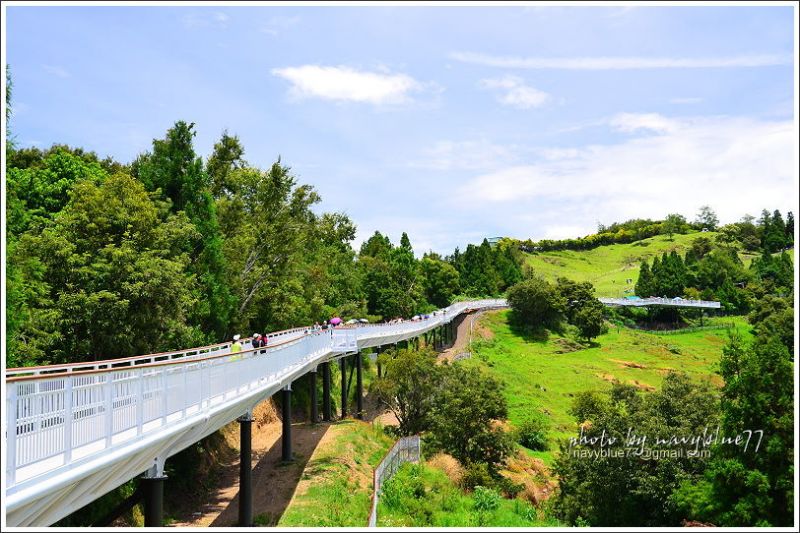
[75, 432]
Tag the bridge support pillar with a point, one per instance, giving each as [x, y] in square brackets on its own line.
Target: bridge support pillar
[343, 368]
[245, 471]
[326, 391]
[359, 388]
[153, 484]
[312, 376]
[286, 434]
[379, 351]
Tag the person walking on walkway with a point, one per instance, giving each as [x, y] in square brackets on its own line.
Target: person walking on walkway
[236, 346]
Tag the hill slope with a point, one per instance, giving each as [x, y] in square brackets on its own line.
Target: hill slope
[609, 267]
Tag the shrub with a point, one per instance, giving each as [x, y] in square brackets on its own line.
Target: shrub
[533, 433]
[476, 474]
[507, 487]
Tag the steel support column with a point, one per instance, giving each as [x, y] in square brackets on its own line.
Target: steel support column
[312, 377]
[245, 471]
[326, 391]
[286, 434]
[343, 368]
[359, 388]
[153, 500]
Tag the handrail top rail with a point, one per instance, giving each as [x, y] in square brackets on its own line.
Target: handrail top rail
[141, 357]
[58, 371]
[15, 379]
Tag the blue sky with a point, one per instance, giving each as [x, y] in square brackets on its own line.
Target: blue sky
[450, 123]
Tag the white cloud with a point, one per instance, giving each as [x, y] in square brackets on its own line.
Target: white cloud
[632, 122]
[512, 91]
[56, 70]
[276, 25]
[205, 19]
[347, 84]
[465, 155]
[620, 63]
[735, 165]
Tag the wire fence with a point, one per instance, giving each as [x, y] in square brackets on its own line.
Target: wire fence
[405, 450]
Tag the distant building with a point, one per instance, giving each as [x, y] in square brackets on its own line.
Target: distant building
[493, 241]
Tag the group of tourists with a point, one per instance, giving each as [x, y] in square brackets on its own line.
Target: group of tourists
[258, 341]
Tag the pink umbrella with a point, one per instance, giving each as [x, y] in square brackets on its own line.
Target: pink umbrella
[336, 320]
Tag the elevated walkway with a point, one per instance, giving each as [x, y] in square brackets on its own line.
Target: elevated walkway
[75, 432]
[659, 302]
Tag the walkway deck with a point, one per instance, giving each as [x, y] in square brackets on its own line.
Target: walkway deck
[75, 432]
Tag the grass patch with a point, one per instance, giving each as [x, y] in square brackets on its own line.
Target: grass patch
[538, 377]
[336, 486]
[423, 496]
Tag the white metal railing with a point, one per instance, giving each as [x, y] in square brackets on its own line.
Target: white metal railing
[213, 349]
[405, 450]
[440, 316]
[60, 416]
[65, 417]
[663, 302]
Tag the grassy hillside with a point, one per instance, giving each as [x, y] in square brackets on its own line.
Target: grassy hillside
[608, 267]
[336, 487]
[546, 375]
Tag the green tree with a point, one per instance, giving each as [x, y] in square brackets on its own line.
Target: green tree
[174, 170]
[463, 413]
[706, 219]
[226, 157]
[10, 143]
[674, 223]
[589, 320]
[441, 280]
[536, 303]
[112, 278]
[622, 489]
[751, 487]
[644, 284]
[266, 225]
[407, 388]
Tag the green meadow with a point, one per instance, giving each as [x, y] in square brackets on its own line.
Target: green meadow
[546, 375]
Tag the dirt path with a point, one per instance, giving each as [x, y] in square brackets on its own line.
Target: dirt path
[273, 482]
[461, 343]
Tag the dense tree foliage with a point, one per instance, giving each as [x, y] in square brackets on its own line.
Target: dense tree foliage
[623, 487]
[111, 260]
[408, 388]
[754, 486]
[616, 233]
[537, 303]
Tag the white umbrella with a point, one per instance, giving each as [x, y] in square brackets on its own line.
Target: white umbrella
[352, 321]
[364, 321]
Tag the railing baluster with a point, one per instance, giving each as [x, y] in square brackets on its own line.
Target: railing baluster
[67, 419]
[140, 402]
[109, 390]
[11, 434]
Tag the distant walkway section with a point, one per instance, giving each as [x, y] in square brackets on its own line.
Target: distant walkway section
[658, 302]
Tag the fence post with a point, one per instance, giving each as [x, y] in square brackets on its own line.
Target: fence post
[109, 408]
[67, 419]
[11, 432]
[140, 403]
